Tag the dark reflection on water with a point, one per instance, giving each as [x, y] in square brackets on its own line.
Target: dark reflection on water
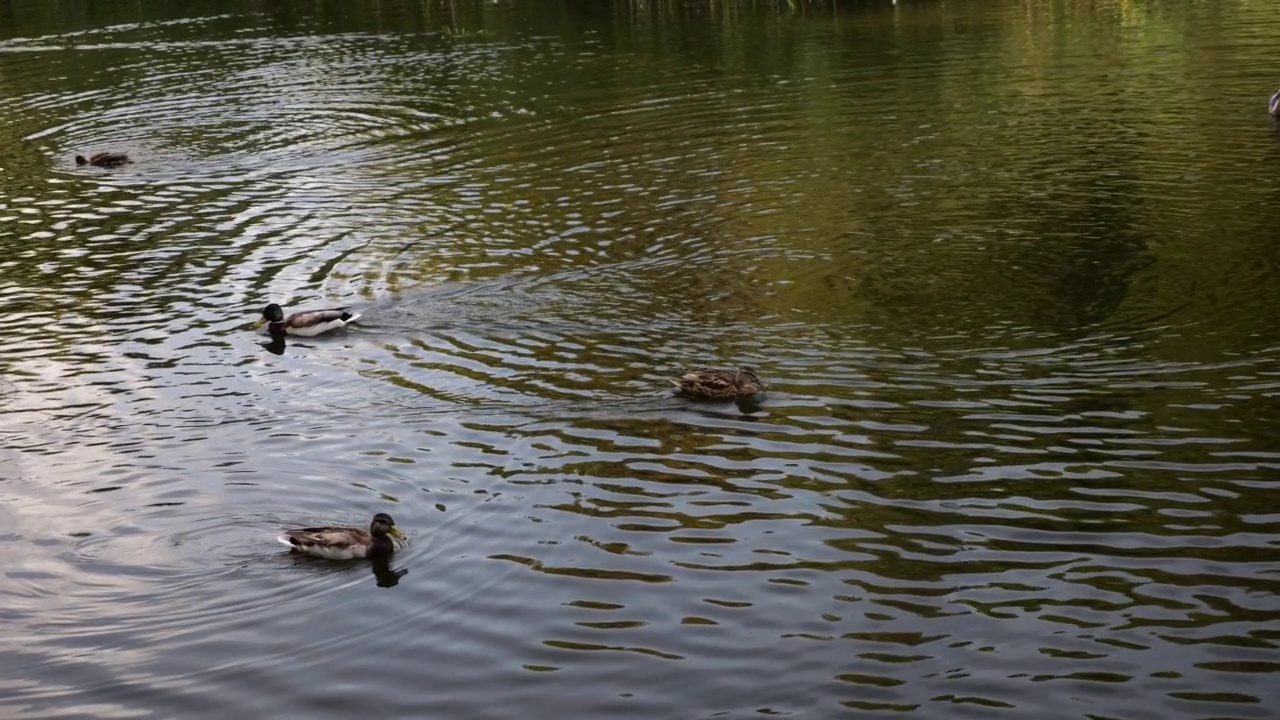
[384, 573]
[1009, 268]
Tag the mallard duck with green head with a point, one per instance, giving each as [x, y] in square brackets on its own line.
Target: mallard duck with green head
[346, 543]
[720, 384]
[104, 159]
[308, 323]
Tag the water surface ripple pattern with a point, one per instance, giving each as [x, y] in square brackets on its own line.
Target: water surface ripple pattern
[1018, 456]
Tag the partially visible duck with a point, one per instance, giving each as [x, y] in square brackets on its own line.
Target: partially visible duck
[720, 384]
[304, 324]
[104, 159]
[1273, 105]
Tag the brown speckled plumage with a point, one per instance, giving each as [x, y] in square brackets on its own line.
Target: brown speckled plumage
[720, 384]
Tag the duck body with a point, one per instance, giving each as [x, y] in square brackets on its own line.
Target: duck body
[346, 543]
[720, 384]
[1273, 105]
[305, 324]
[104, 159]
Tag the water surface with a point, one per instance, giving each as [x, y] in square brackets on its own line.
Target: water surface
[1010, 268]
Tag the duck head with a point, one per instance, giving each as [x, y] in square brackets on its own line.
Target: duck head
[383, 525]
[272, 313]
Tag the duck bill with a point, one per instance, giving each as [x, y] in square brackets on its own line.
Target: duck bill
[259, 323]
[395, 533]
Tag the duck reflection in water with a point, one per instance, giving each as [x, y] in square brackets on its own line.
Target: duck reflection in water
[384, 575]
[275, 345]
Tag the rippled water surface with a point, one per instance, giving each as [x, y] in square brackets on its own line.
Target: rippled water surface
[1011, 269]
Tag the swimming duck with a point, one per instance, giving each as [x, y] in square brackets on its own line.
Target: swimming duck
[1273, 105]
[305, 324]
[720, 384]
[345, 543]
[104, 159]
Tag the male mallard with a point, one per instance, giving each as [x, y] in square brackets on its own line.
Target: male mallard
[1273, 105]
[305, 324]
[104, 159]
[345, 543]
[720, 384]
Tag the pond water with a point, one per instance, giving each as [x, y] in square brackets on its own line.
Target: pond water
[1011, 269]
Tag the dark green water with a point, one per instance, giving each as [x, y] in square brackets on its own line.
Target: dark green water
[1011, 267]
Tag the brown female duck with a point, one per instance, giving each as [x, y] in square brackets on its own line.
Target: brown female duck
[720, 384]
